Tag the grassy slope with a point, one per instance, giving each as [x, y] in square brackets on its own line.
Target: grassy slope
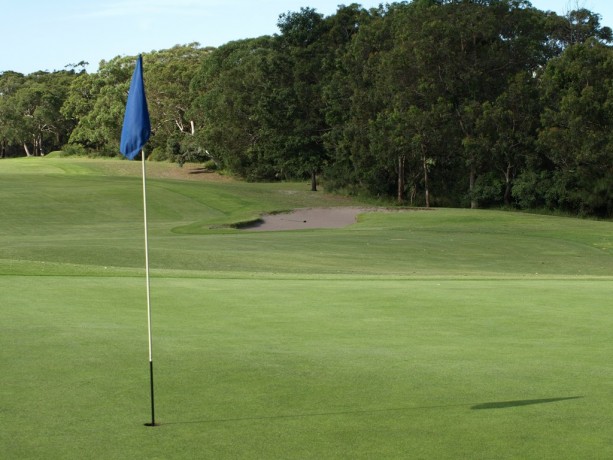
[440, 334]
[65, 212]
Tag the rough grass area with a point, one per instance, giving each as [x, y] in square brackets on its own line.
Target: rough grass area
[442, 334]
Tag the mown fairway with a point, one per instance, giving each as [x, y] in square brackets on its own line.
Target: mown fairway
[421, 334]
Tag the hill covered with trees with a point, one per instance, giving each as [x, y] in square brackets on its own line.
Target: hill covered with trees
[431, 102]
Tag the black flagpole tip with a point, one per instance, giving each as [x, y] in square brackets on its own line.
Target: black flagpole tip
[152, 424]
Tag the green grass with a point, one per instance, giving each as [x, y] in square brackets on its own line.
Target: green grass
[426, 334]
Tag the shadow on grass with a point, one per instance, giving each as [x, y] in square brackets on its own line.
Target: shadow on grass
[488, 405]
[518, 403]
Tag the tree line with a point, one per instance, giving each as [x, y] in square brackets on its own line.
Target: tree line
[431, 102]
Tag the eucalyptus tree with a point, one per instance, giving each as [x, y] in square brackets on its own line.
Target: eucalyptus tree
[506, 135]
[353, 101]
[419, 111]
[96, 104]
[576, 136]
[30, 111]
[309, 49]
[168, 75]
[232, 98]
[475, 49]
[96, 101]
[10, 82]
[261, 100]
[416, 81]
[576, 27]
[302, 49]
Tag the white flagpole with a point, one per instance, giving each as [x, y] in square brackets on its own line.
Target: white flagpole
[148, 290]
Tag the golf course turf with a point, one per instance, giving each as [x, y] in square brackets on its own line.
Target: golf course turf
[440, 334]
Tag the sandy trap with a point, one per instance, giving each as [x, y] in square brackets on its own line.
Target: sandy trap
[309, 218]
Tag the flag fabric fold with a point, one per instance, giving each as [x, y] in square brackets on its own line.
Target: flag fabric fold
[136, 125]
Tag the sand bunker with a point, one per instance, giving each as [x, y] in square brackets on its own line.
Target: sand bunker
[309, 218]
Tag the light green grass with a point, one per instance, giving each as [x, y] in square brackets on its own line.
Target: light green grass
[427, 334]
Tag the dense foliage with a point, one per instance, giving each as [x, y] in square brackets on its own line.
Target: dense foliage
[431, 102]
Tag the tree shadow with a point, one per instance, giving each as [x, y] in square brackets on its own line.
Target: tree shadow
[518, 403]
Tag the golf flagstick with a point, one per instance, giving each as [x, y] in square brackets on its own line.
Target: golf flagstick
[148, 284]
[135, 133]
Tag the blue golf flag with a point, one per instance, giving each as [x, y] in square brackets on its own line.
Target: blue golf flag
[136, 125]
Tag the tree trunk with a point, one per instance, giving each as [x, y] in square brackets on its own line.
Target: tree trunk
[400, 196]
[472, 179]
[507, 190]
[313, 181]
[38, 146]
[425, 166]
[25, 147]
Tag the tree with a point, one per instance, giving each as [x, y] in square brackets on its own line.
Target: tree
[10, 82]
[232, 98]
[420, 76]
[576, 27]
[30, 111]
[96, 104]
[576, 136]
[506, 131]
[353, 103]
[303, 46]
[169, 74]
